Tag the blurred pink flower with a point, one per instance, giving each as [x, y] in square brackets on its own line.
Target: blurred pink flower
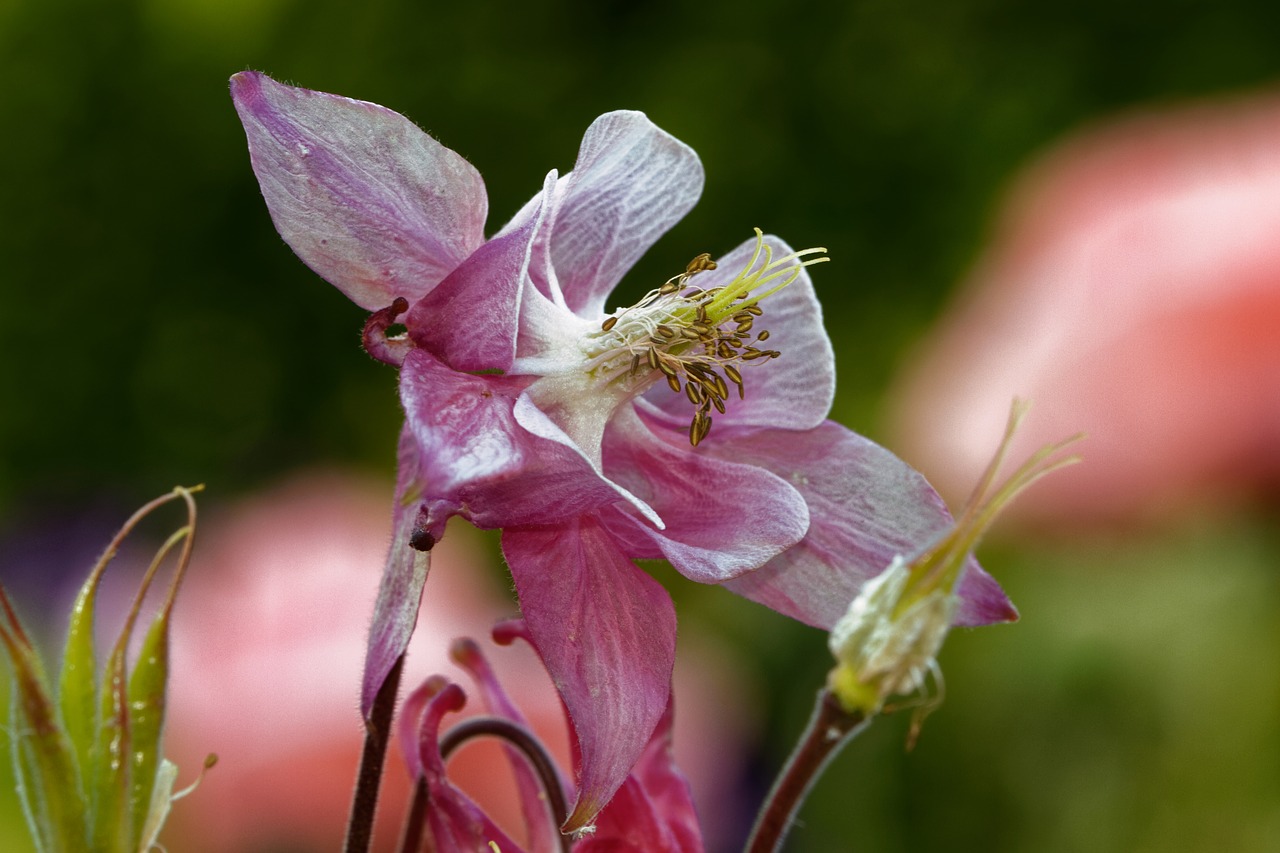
[1132, 289]
[268, 652]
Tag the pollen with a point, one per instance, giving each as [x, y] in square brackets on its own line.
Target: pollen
[697, 339]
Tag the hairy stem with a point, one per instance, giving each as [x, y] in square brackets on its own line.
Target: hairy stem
[377, 732]
[830, 728]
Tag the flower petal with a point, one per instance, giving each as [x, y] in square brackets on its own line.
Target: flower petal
[793, 391]
[866, 506]
[375, 206]
[395, 613]
[606, 632]
[470, 319]
[722, 517]
[631, 183]
[475, 460]
[653, 810]
[455, 823]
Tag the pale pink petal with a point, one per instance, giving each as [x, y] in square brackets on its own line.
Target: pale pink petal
[722, 516]
[793, 391]
[474, 459]
[1132, 291]
[375, 206]
[606, 632]
[865, 506]
[631, 183]
[470, 319]
[395, 613]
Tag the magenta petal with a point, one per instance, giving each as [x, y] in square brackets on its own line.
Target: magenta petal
[470, 320]
[631, 183]
[793, 391]
[375, 206]
[866, 506]
[395, 613]
[653, 811]
[722, 517]
[455, 823]
[606, 632]
[476, 459]
[533, 799]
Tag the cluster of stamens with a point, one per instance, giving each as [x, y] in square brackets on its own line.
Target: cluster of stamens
[696, 337]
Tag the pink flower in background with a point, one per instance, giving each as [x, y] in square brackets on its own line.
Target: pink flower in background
[1132, 289]
[585, 435]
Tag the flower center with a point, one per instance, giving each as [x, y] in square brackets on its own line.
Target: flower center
[696, 338]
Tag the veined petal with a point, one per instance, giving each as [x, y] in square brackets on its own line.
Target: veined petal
[722, 517]
[375, 206]
[395, 613]
[476, 460]
[470, 320]
[653, 811]
[793, 391]
[866, 506]
[606, 632]
[632, 181]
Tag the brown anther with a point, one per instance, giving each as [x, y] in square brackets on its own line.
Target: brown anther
[743, 327]
[718, 403]
[652, 355]
[751, 353]
[674, 383]
[754, 309]
[724, 350]
[704, 428]
[763, 336]
[700, 263]
[690, 334]
[666, 366]
[669, 287]
[722, 390]
[694, 392]
[609, 323]
[702, 329]
[665, 332]
[635, 363]
[736, 378]
[695, 431]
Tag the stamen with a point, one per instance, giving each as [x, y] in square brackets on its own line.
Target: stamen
[683, 332]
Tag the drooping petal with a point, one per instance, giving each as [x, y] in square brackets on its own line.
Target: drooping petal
[866, 506]
[653, 810]
[395, 613]
[539, 828]
[375, 206]
[475, 459]
[632, 181]
[470, 320]
[455, 823]
[722, 517]
[793, 391]
[606, 632]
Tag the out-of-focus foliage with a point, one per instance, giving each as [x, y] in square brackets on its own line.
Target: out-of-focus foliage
[157, 330]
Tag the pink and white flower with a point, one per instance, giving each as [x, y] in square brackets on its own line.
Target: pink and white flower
[586, 434]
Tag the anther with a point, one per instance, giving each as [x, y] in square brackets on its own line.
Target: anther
[609, 323]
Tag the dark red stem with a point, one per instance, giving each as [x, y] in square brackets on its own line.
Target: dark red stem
[377, 732]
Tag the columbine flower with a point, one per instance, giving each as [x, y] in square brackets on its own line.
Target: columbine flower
[690, 426]
[652, 811]
[887, 643]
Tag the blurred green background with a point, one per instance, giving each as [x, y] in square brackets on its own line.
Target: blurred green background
[156, 331]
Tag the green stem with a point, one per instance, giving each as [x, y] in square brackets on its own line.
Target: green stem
[829, 729]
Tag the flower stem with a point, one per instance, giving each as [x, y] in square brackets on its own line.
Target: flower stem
[829, 729]
[377, 731]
